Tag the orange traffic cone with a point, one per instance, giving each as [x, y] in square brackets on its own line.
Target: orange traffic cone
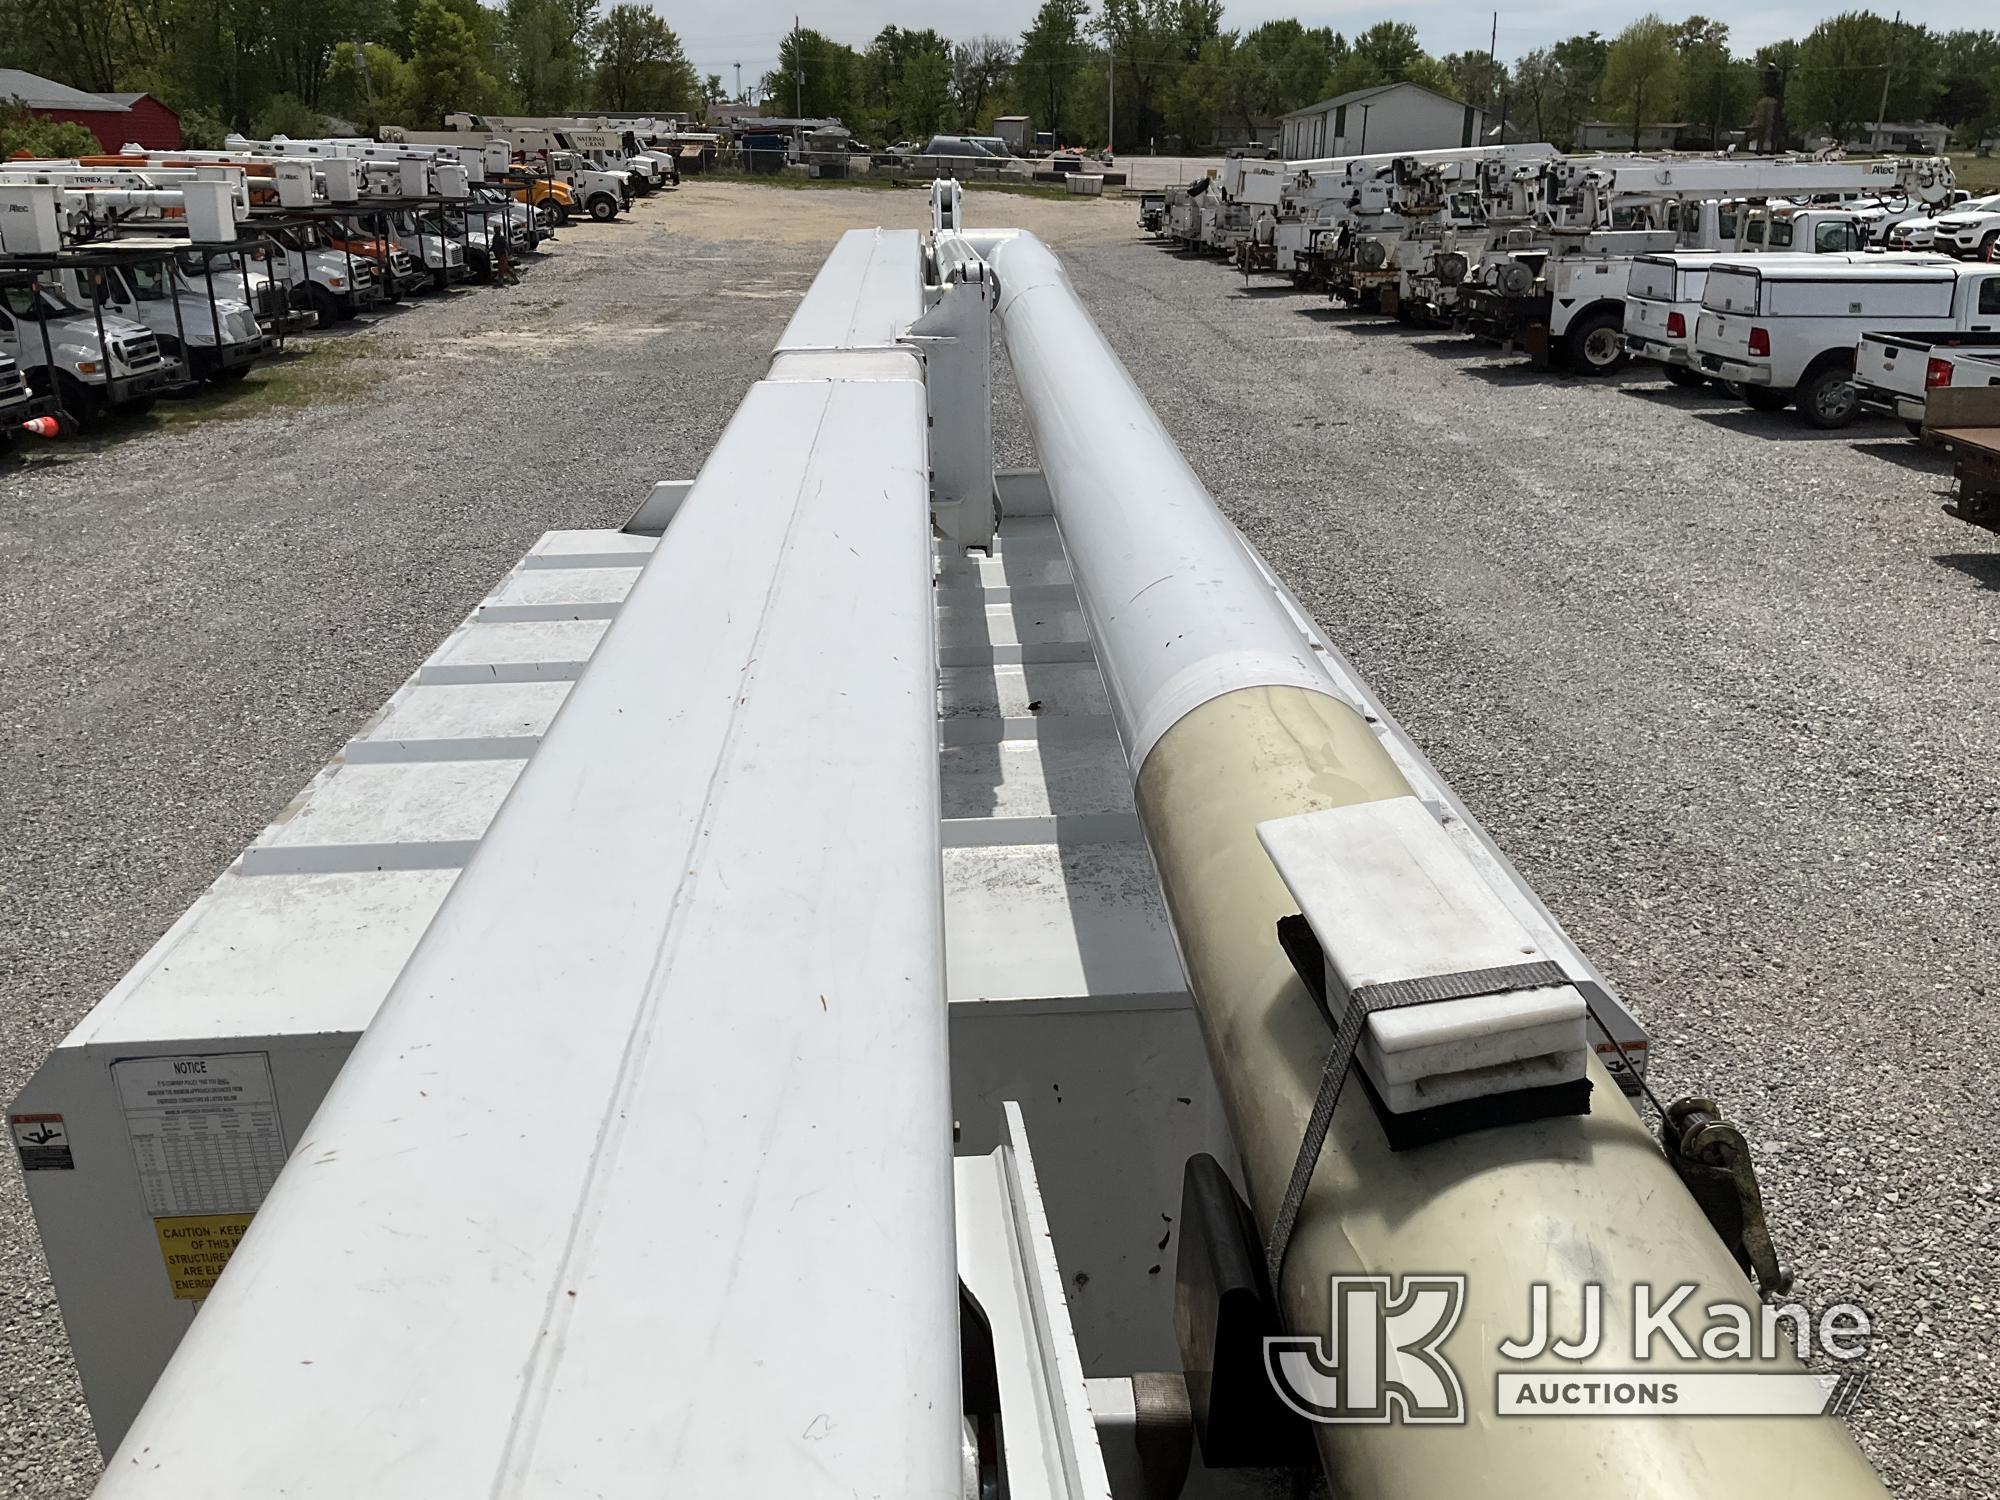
[47, 427]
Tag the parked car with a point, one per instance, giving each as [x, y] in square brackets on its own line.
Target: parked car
[1970, 229]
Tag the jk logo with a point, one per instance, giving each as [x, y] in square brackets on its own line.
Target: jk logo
[1380, 1361]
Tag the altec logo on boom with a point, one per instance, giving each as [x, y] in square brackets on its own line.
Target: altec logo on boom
[1383, 1358]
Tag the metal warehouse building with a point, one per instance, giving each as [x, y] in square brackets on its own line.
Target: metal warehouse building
[1390, 117]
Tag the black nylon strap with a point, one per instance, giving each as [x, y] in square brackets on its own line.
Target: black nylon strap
[1364, 1002]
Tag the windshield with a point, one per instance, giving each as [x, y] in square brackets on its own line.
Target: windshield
[36, 302]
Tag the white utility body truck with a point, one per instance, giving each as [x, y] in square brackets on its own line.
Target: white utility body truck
[1786, 331]
[1663, 299]
[1562, 295]
[86, 358]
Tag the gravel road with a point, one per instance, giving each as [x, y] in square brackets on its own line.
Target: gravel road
[1723, 687]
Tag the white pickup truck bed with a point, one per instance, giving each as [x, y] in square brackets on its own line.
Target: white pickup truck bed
[1895, 372]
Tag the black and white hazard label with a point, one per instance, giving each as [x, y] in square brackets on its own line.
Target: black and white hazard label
[43, 1143]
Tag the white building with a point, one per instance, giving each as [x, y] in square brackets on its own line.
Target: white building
[1390, 117]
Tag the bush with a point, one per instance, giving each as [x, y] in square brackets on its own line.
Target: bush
[21, 134]
[284, 115]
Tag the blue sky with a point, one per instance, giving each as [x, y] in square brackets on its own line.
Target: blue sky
[748, 31]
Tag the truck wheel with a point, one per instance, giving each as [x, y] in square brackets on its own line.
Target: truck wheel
[1595, 345]
[392, 289]
[229, 374]
[81, 405]
[1827, 398]
[1682, 376]
[1763, 398]
[325, 306]
[560, 212]
[604, 208]
[1989, 244]
[138, 406]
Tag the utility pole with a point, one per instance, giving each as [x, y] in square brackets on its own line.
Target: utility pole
[798, 74]
[1364, 130]
[1494, 76]
[739, 83]
[1882, 110]
[1111, 87]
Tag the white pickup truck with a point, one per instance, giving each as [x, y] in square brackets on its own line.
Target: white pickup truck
[1894, 373]
[1663, 299]
[1785, 332]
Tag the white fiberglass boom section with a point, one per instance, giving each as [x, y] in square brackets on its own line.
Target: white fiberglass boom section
[1264, 790]
[640, 1183]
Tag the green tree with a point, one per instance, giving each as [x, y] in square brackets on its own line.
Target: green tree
[1843, 66]
[818, 77]
[1717, 90]
[548, 48]
[1284, 65]
[980, 69]
[1387, 52]
[1052, 54]
[1476, 77]
[923, 95]
[447, 66]
[1579, 63]
[640, 64]
[1642, 72]
[371, 87]
[284, 115]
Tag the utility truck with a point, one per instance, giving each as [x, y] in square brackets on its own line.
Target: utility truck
[217, 339]
[1558, 293]
[1663, 300]
[1785, 331]
[89, 359]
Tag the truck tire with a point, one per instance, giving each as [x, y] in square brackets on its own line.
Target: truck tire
[82, 406]
[1595, 344]
[1687, 379]
[325, 306]
[604, 208]
[229, 374]
[1827, 397]
[1763, 398]
[1988, 245]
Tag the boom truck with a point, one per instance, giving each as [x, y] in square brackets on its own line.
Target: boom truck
[210, 265]
[609, 146]
[102, 212]
[1324, 196]
[88, 360]
[1557, 290]
[1155, 1076]
[408, 194]
[529, 182]
[293, 199]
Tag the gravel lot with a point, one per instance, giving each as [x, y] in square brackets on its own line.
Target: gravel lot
[1725, 688]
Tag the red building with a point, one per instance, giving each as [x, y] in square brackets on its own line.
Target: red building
[115, 119]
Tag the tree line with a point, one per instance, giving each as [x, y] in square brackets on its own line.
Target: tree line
[1178, 77]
